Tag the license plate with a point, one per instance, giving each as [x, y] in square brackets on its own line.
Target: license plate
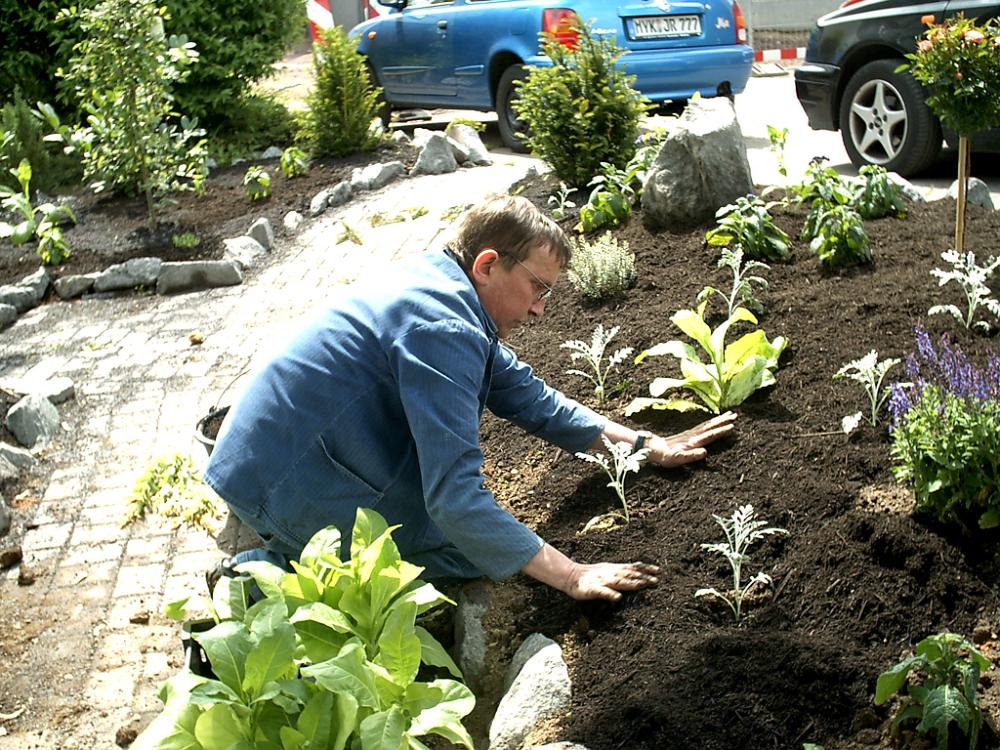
[658, 27]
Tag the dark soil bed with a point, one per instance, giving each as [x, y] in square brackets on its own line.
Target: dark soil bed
[857, 582]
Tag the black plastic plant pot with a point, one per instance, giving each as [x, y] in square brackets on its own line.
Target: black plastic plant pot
[195, 658]
[208, 427]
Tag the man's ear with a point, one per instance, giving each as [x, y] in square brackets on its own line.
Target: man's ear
[483, 266]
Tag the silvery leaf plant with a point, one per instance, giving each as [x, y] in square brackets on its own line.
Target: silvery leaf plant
[623, 460]
[973, 279]
[743, 281]
[870, 373]
[742, 529]
[593, 355]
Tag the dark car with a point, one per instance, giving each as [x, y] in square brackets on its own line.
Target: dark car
[849, 82]
[467, 54]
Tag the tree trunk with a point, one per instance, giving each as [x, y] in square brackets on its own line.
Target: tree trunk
[963, 184]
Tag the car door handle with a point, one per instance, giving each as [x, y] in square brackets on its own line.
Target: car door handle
[442, 24]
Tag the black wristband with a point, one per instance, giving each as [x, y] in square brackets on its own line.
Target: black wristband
[640, 441]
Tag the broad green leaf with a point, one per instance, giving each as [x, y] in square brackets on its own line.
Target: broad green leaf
[434, 654]
[231, 597]
[220, 727]
[675, 404]
[270, 659]
[265, 615]
[740, 314]
[266, 575]
[349, 672]
[356, 604]
[173, 729]
[380, 554]
[744, 382]
[227, 646]
[943, 705]
[749, 345]
[325, 542]
[368, 526]
[22, 232]
[425, 596]
[292, 739]
[302, 585]
[659, 386]
[384, 730]
[177, 610]
[679, 349]
[322, 630]
[890, 681]
[346, 720]
[399, 646]
[211, 692]
[691, 323]
[424, 700]
[316, 720]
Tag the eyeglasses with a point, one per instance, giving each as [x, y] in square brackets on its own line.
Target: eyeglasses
[546, 291]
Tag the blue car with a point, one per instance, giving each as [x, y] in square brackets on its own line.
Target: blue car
[466, 54]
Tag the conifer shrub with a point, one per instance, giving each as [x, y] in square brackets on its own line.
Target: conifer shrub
[343, 102]
[22, 135]
[582, 110]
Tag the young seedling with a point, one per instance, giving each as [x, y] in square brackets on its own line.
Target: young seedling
[593, 355]
[52, 248]
[973, 279]
[560, 201]
[949, 668]
[840, 238]
[741, 529]
[257, 183]
[293, 162]
[623, 459]
[778, 139]
[870, 373]
[875, 195]
[749, 224]
[743, 281]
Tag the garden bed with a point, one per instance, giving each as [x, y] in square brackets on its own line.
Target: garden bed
[857, 582]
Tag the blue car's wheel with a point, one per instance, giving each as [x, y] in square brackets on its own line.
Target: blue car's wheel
[512, 130]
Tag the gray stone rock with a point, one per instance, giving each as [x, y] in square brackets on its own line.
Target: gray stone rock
[36, 283]
[8, 472]
[18, 297]
[470, 636]
[436, 157]
[531, 646]
[701, 167]
[57, 389]
[399, 136]
[246, 251]
[8, 314]
[340, 194]
[272, 152]
[186, 276]
[467, 135]
[907, 188]
[293, 220]
[68, 287]
[977, 193]
[131, 273]
[6, 517]
[32, 419]
[421, 136]
[559, 746]
[261, 231]
[540, 691]
[375, 176]
[318, 203]
[21, 458]
[458, 150]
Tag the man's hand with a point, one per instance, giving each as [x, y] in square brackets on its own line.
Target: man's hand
[688, 446]
[608, 580]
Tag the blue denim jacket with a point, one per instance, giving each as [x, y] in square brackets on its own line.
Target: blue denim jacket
[377, 404]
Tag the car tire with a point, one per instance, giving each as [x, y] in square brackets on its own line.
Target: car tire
[885, 120]
[512, 130]
[384, 109]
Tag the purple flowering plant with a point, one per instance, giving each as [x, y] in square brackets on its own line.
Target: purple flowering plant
[946, 432]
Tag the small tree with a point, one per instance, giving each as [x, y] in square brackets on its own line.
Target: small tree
[959, 63]
[344, 101]
[582, 110]
[123, 71]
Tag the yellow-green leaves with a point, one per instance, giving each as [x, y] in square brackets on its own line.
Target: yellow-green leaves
[730, 375]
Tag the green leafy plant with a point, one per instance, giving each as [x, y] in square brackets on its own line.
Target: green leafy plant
[40, 221]
[601, 269]
[185, 240]
[622, 459]
[870, 373]
[947, 669]
[876, 195]
[821, 183]
[293, 162]
[778, 139]
[380, 218]
[749, 224]
[957, 62]
[616, 190]
[348, 233]
[328, 659]
[123, 71]
[732, 373]
[257, 183]
[172, 487]
[593, 355]
[742, 529]
[841, 239]
[560, 201]
[973, 278]
[581, 111]
[946, 433]
[344, 102]
[742, 291]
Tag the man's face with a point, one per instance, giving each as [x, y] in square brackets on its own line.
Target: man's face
[512, 295]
